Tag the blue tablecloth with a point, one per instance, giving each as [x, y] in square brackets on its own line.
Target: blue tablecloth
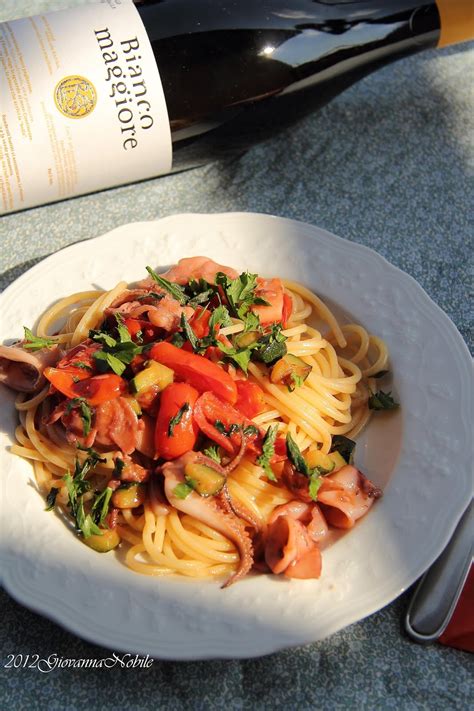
[387, 164]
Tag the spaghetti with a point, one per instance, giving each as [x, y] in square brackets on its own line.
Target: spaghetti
[201, 420]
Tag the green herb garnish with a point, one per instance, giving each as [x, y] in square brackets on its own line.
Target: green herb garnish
[313, 486]
[296, 382]
[51, 498]
[240, 293]
[295, 456]
[85, 412]
[178, 340]
[226, 431]
[239, 356]
[271, 347]
[118, 468]
[344, 446]
[189, 333]
[175, 290]
[115, 354]
[81, 364]
[382, 401]
[268, 450]
[314, 474]
[176, 419]
[181, 491]
[77, 485]
[213, 453]
[219, 318]
[100, 507]
[35, 343]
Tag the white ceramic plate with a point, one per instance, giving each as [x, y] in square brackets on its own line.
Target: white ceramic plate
[421, 455]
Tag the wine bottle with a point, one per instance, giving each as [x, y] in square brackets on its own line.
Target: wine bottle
[120, 91]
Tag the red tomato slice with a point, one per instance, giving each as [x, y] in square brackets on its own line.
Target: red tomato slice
[146, 329]
[250, 398]
[80, 361]
[95, 390]
[171, 441]
[209, 410]
[199, 322]
[202, 374]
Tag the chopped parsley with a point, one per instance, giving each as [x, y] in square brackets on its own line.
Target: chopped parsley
[51, 498]
[201, 292]
[181, 491]
[295, 456]
[176, 419]
[175, 290]
[239, 356]
[35, 343]
[271, 347]
[81, 364]
[213, 453]
[382, 401]
[240, 293]
[226, 431]
[251, 322]
[219, 318]
[100, 507]
[118, 468]
[77, 485]
[314, 474]
[189, 333]
[313, 486]
[296, 382]
[85, 412]
[115, 354]
[178, 340]
[344, 446]
[268, 450]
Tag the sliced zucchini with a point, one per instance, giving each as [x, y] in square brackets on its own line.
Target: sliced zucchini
[316, 458]
[134, 404]
[270, 351]
[129, 497]
[109, 539]
[203, 479]
[290, 371]
[154, 374]
[338, 460]
[244, 340]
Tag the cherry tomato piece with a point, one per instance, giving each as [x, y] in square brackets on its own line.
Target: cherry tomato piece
[202, 374]
[95, 390]
[250, 398]
[209, 410]
[80, 360]
[199, 322]
[176, 431]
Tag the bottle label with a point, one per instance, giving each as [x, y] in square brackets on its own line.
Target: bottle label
[81, 105]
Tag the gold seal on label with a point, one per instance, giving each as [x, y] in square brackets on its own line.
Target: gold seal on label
[75, 96]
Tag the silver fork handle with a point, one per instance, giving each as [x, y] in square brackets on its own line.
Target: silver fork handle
[438, 591]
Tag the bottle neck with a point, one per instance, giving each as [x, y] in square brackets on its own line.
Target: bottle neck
[456, 20]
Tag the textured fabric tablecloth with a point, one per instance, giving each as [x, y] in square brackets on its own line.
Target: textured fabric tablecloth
[387, 164]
